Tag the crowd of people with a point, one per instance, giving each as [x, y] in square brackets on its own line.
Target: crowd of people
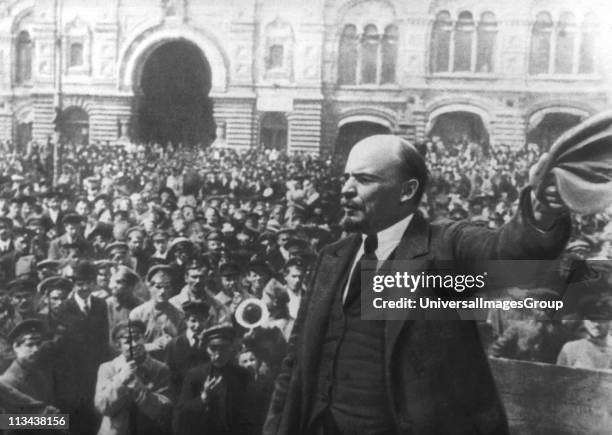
[154, 289]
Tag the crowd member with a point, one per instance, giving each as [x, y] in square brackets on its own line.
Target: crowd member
[213, 395]
[132, 389]
[595, 350]
[122, 299]
[187, 350]
[26, 374]
[163, 320]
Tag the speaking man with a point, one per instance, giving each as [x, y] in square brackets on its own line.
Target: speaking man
[345, 375]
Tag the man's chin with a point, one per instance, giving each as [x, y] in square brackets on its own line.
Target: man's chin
[352, 225]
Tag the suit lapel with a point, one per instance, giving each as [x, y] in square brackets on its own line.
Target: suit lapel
[414, 248]
[334, 268]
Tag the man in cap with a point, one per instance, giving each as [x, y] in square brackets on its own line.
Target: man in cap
[53, 214]
[122, 299]
[160, 245]
[278, 256]
[417, 390]
[54, 291]
[187, 350]
[26, 374]
[22, 291]
[73, 224]
[595, 350]
[47, 268]
[231, 293]
[163, 320]
[213, 396]
[258, 275]
[137, 255]
[198, 283]
[132, 389]
[180, 251]
[85, 345]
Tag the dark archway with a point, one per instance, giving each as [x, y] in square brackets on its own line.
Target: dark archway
[551, 127]
[351, 133]
[273, 131]
[459, 127]
[174, 106]
[74, 126]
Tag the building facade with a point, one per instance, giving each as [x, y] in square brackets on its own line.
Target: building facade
[306, 76]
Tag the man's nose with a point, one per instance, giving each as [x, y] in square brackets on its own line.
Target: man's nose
[348, 188]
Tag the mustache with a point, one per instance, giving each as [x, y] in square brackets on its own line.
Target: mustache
[350, 204]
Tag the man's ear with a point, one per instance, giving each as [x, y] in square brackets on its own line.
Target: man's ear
[409, 189]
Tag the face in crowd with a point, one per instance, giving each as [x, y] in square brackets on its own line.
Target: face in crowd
[27, 348]
[249, 361]
[195, 323]
[161, 287]
[219, 352]
[56, 298]
[597, 329]
[138, 351]
[294, 278]
[195, 279]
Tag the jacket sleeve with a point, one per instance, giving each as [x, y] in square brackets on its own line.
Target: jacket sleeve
[190, 413]
[289, 372]
[111, 395]
[155, 402]
[518, 239]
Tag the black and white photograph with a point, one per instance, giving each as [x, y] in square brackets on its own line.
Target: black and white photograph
[278, 217]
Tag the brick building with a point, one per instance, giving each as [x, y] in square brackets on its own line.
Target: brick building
[295, 74]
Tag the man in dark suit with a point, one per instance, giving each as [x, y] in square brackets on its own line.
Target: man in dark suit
[84, 346]
[213, 398]
[348, 375]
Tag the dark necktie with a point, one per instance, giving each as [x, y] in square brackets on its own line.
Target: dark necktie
[369, 253]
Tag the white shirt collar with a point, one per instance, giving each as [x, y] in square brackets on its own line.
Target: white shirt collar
[389, 238]
[82, 303]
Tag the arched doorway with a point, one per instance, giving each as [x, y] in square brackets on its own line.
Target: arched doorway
[459, 127]
[173, 105]
[352, 132]
[546, 130]
[74, 126]
[273, 131]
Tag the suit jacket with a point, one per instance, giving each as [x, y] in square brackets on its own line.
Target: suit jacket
[437, 375]
[126, 413]
[82, 348]
[182, 357]
[227, 411]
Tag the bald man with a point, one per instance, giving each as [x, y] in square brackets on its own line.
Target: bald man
[347, 375]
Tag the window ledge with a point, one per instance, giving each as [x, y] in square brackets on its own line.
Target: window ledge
[463, 75]
[565, 77]
[368, 87]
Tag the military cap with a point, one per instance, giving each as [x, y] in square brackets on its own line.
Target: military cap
[116, 246]
[73, 219]
[160, 235]
[195, 308]
[258, 266]
[229, 269]
[103, 264]
[296, 245]
[215, 235]
[294, 262]
[596, 307]
[197, 262]
[180, 243]
[103, 196]
[27, 327]
[22, 284]
[224, 331]
[122, 329]
[134, 230]
[48, 263]
[158, 268]
[54, 283]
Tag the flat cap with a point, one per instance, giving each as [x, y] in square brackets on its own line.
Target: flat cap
[27, 327]
[224, 331]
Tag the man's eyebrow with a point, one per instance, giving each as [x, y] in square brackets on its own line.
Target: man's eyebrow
[364, 175]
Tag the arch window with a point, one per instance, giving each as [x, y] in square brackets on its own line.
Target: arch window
[369, 58]
[464, 46]
[563, 47]
[23, 61]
